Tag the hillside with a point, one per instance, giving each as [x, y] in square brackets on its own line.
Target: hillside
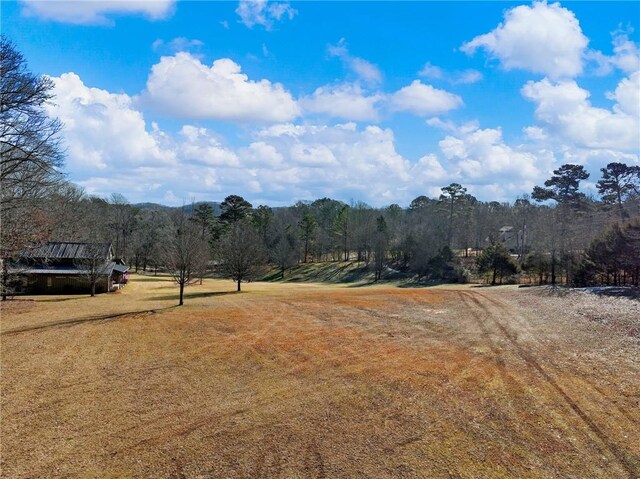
[334, 272]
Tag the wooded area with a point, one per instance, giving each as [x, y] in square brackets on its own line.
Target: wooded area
[556, 235]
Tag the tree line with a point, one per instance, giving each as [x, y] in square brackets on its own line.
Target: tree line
[557, 234]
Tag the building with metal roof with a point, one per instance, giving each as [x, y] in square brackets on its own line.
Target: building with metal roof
[68, 268]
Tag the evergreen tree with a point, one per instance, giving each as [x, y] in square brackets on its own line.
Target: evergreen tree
[496, 260]
[618, 183]
[234, 208]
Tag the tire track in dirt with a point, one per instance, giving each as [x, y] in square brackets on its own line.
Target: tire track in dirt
[513, 385]
[314, 462]
[548, 358]
[182, 431]
[268, 463]
[631, 469]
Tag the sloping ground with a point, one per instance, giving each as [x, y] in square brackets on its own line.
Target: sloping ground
[301, 380]
[323, 272]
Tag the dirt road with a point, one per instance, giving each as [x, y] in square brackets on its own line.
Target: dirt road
[311, 381]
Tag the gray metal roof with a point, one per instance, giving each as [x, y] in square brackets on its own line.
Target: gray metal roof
[120, 268]
[105, 270]
[69, 251]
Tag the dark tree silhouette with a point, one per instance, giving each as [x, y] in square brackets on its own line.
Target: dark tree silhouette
[341, 229]
[380, 247]
[204, 218]
[234, 208]
[563, 186]
[261, 218]
[618, 183]
[496, 260]
[307, 225]
[451, 195]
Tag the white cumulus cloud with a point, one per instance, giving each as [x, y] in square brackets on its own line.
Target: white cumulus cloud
[347, 101]
[341, 161]
[424, 100]
[103, 130]
[481, 160]
[625, 57]
[201, 146]
[566, 112]
[541, 38]
[627, 95]
[183, 86]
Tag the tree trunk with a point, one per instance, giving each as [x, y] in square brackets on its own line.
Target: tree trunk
[238, 285]
[5, 279]
[93, 288]
[345, 247]
[493, 279]
[620, 208]
[450, 232]
[181, 294]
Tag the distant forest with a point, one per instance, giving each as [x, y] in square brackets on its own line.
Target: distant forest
[568, 238]
[557, 234]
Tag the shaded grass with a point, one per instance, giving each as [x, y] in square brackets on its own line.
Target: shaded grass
[192, 295]
[325, 272]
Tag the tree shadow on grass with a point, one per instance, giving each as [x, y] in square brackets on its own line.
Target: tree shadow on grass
[364, 284]
[89, 319]
[59, 300]
[424, 284]
[328, 272]
[196, 295]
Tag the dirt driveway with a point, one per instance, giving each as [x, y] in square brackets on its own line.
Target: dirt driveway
[303, 381]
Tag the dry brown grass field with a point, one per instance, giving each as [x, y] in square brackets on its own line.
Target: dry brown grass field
[312, 381]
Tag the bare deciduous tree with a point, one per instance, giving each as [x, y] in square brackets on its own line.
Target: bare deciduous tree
[29, 140]
[283, 252]
[186, 253]
[380, 247]
[93, 264]
[122, 223]
[241, 253]
[30, 152]
[308, 226]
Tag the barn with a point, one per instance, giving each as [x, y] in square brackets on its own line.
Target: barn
[67, 268]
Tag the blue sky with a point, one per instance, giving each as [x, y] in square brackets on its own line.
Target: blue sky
[381, 102]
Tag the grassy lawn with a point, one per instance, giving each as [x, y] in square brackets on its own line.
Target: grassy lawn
[307, 380]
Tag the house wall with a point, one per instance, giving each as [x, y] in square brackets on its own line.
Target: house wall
[62, 284]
